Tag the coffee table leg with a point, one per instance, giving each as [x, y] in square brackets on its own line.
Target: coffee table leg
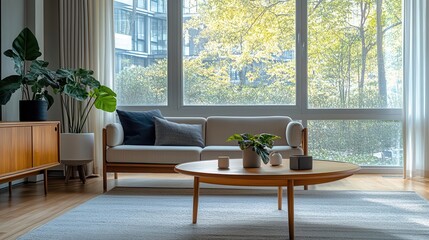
[280, 197]
[290, 209]
[195, 201]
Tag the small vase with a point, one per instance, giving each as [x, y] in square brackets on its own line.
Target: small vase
[251, 159]
[275, 158]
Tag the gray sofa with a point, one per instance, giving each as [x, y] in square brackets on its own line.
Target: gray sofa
[118, 157]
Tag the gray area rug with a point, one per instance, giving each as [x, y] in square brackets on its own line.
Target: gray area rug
[140, 214]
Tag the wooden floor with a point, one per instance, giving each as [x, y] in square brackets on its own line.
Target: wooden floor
[28, 208]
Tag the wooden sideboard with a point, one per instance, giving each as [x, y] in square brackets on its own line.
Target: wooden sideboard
[28, 148]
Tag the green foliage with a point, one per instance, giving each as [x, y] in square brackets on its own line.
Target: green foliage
[342, 54]
[143, 85]
[357, 141]
[260, 143]
[38, 78]
[80, 92]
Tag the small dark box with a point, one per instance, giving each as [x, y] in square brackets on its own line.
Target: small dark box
[301, 162]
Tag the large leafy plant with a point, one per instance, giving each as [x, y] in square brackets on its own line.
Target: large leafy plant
[80, 92]
[32, 75]
[260, 143]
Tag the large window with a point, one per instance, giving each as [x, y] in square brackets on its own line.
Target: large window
[355, 62]
[335, 65]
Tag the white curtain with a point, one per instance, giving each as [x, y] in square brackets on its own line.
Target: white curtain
[102, 62]
[416, 88]
[87, 41]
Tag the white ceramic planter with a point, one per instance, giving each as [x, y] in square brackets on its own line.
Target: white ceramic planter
[77, 146]
[251, 159]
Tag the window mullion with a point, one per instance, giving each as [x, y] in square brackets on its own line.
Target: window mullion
[301, 58]
[174, 30]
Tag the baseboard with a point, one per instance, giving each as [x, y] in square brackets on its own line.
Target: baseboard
[56, 173]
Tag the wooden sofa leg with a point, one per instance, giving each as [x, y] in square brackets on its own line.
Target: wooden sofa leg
[305, 187]
[104, 181]
[116, 175]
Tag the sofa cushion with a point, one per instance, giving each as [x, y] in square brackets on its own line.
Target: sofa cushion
[152, 154]
[139, 127]
[175, 134]
[213, 152]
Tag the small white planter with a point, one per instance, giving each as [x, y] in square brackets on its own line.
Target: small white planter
[77, 146]
[251, 159]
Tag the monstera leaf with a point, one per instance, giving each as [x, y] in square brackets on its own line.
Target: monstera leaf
[26, 45]
[105, 99]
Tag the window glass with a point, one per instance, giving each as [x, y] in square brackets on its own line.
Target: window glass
[122, 21]
[141, 4]
[363, 142]
[140, 53]
[355, 54]
[239, 52]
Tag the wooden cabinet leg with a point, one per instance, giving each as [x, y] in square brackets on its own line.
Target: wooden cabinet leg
[45, 180]
[116, 175]
[305, 187]
[10, 189]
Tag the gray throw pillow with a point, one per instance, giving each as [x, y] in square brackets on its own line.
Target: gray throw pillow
[177, 134]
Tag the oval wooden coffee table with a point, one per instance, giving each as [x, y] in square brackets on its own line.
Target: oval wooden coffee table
[267, 176]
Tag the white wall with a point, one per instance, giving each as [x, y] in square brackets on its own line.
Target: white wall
[12, 21]
[52, 46]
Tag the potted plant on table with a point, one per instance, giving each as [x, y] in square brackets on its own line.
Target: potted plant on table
[254, 147]
[32, 76]
[79, 93]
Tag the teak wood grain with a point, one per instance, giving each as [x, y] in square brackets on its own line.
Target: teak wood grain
[15, 143]
[28, 148]
[45, 140]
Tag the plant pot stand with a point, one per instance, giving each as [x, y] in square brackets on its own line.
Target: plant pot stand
[81, 168]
